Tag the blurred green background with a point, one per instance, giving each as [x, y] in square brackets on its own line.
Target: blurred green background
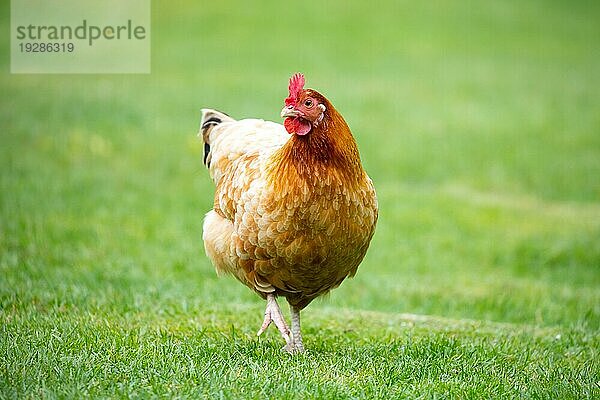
[479, 123]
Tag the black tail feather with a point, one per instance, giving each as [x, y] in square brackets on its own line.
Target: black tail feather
[206, 152]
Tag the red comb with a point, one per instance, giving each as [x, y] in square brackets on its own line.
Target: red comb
[296, 85]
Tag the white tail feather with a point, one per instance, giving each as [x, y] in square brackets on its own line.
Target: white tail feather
[210, 118]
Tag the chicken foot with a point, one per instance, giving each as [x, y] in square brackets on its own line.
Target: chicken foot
[273, 314]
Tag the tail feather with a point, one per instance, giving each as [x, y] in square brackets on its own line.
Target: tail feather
[210, 119]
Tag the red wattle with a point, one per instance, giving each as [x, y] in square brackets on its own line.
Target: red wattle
[297, 125]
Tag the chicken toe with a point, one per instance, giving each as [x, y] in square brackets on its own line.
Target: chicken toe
[273, 314]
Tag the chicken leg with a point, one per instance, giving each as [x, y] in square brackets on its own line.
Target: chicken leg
[295, 345]
[273, 314]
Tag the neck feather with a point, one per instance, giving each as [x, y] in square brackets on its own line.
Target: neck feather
[328, 147]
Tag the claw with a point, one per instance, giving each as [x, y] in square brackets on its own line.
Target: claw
[294, 346]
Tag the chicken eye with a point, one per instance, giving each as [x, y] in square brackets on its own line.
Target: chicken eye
[308, 103]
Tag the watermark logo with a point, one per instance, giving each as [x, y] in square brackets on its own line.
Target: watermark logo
[80, 36]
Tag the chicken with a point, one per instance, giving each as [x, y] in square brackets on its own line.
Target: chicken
[294, 211]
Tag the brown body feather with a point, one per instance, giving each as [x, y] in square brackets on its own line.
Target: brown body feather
[295, 218]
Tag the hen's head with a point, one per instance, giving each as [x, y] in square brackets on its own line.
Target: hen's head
[304, 108]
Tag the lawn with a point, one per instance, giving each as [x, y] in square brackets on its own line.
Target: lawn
[479, 123]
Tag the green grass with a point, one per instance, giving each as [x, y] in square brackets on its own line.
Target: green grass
[479, 124]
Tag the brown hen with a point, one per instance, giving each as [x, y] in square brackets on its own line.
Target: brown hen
[294, 211]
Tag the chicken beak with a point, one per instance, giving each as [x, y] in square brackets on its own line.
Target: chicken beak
[289, 111]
